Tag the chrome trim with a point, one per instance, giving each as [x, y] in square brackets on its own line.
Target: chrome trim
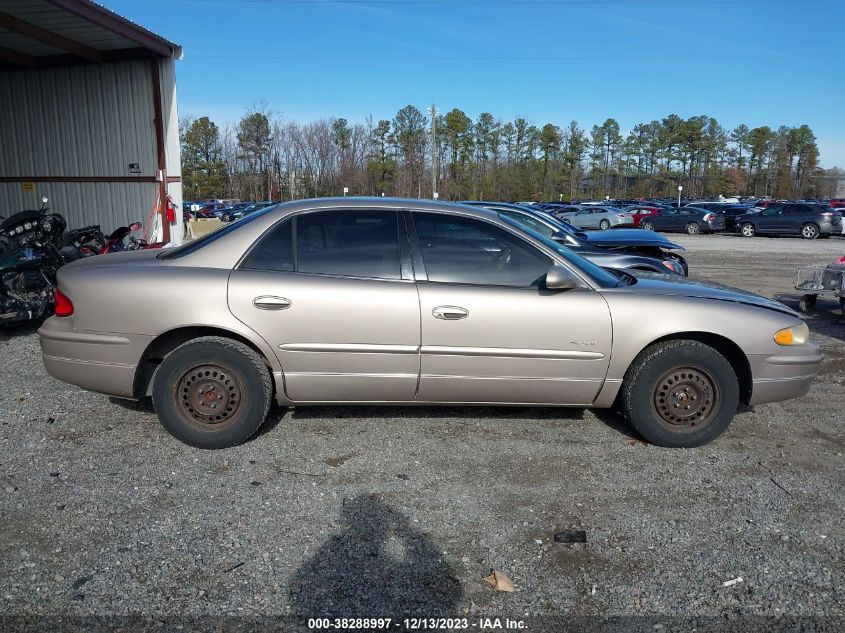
[503, 352]
[597, 381]
[81, 361]
[450, 313]
[268, 302]
[84, 337]
[349, 348]
[795, 360]
[326, 374]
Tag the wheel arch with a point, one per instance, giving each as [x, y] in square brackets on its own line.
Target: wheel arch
[726, 347]
[166, 342]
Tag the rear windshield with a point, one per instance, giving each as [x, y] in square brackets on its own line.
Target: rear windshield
[194, 245]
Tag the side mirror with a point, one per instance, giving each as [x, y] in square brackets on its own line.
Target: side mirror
[559, 278]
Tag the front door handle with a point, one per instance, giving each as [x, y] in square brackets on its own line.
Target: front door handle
[449, 313]
[271, 303]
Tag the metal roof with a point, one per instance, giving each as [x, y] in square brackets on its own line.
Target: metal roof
[43, 33]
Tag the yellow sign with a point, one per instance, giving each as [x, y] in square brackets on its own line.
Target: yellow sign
[28, 187]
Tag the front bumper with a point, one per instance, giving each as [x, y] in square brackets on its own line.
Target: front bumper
[95, 361]
[786, 375]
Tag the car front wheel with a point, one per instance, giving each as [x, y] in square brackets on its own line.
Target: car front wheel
[747, 230]
[212, 392]
[647, 225]
[680, 394]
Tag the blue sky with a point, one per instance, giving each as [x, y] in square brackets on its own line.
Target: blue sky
[756, 62]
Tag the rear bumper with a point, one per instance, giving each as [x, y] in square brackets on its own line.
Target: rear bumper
[96, 361]
[784, 376]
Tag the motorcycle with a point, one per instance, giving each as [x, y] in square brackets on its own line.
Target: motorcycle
[32, 249]
[114, 243]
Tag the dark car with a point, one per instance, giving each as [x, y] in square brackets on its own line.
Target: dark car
[730, 211]
[245, 210]
[691, 220]
[626, 249]
[791, 218]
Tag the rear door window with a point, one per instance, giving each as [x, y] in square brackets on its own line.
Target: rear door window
[343, 243]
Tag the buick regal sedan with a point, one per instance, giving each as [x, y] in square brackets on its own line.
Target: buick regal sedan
[367, 301]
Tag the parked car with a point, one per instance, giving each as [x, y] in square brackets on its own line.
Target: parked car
[807, 220]
[640, 212]
[625, 249]
[374, 300]
[246, 210]
[837, 203]
[691, 220]
[594, 217]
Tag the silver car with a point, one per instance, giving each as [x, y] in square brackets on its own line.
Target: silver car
[367, 301]
[593, 217]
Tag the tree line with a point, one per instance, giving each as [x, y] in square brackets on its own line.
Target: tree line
[264, 157]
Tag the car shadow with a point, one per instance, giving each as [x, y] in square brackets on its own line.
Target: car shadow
[19, 328]
[377, 564]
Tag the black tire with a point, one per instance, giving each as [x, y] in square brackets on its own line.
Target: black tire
[647, 225]
[693, 228]
[713, 395]
[194, 378]
[809, 231]
[807, 302]
[604, 225]
[747, 230]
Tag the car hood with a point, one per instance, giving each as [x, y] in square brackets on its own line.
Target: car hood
[630, 237]
[673, 285]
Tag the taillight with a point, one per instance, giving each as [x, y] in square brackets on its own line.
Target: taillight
[64, 306]
[709, 216]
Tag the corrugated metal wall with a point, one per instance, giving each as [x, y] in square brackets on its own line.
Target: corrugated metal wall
[82, 121]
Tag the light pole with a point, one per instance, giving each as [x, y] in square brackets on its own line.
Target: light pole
[680, 189]
[433, 110]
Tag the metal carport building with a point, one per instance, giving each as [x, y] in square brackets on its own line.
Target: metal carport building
[88, 116]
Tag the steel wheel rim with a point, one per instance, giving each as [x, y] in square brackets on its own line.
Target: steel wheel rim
[685, 399]
[210, 397]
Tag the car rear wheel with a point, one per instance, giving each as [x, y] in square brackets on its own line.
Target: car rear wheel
[747, 230]
[680, 394]
[647, 225]
[693, 228]
[809, 231]
[604, 225]
[212, 392]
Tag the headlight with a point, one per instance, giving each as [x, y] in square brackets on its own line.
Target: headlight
[674, 266]
[795, 335]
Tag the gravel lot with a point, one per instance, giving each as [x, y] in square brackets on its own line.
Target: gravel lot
[390, 511]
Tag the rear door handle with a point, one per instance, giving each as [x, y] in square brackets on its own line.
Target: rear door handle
[449, 313]
[271, 303]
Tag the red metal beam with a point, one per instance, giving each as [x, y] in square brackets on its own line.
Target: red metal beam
[112, 23]
[146, 179]
[11, 23]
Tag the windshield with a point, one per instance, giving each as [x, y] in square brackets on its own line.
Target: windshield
[598, 274]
